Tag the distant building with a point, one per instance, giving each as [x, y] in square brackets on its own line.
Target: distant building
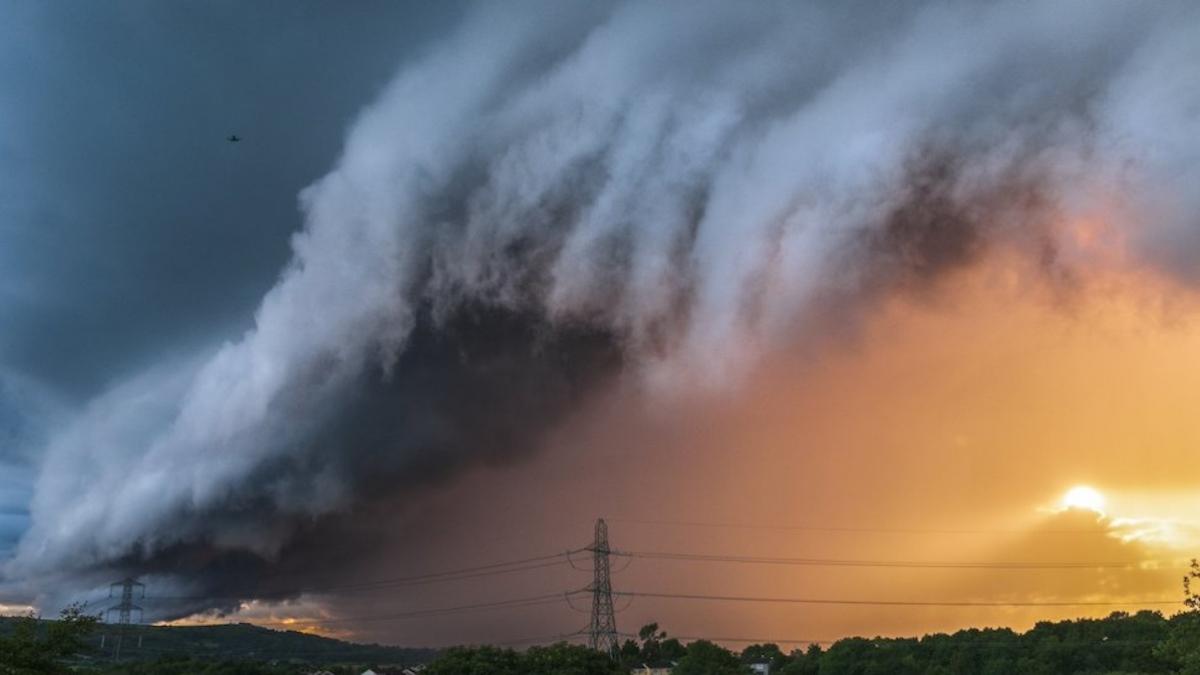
[654, 669]
[760, 668]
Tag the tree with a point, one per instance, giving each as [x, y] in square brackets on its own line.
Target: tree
[30, 649]
[567, 659]
[1191, 594]
[1182, 646]
[650, 632]
[672, 649]
[557, 659]
[807, 662]
[630, 653]
[656, 647]
[766, 653]
[706, 658]
[476, 661]
[68, 636]
[182, 665]
[652, 639]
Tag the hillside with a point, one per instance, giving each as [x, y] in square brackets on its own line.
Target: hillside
[241, 641]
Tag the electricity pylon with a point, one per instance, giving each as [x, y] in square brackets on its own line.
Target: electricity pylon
[602, 633]
[125, 609]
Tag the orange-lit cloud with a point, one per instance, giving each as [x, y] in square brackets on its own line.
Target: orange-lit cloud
[302, 615]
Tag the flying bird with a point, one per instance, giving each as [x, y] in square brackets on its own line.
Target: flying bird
[233, 138]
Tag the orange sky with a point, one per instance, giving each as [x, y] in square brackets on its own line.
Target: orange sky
[972, 407]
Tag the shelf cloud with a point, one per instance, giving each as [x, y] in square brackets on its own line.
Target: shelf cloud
[559, 197]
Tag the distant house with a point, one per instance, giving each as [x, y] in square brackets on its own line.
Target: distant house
[655, 668]
[763, 668]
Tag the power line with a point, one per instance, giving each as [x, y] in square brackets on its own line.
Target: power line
[540, 562]
[875, 640]
[562, 637]
[803, 527]
[551, 598]
[466, 572]
[712, 638]
[376, 586]
[564, 559]
[892, 603]
[831, 562]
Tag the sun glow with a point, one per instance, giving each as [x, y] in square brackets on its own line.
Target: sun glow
[1085, 498]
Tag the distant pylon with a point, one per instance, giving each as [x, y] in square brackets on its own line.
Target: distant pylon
[602, 633]
[126, 608]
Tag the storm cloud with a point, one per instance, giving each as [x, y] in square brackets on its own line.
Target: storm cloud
[557, 196]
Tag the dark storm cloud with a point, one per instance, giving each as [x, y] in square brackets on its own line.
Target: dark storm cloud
[552, 195]
[479, 386]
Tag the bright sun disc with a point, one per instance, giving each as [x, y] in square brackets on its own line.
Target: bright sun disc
[1083, 497]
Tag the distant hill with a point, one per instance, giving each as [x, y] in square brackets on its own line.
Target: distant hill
[242, 641]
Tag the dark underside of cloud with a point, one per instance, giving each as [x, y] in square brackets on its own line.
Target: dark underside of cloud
[480, 386]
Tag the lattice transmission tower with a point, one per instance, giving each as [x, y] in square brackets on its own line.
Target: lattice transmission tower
[602, 633]
[126, 608]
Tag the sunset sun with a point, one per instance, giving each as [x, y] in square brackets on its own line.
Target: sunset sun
[1084, 498]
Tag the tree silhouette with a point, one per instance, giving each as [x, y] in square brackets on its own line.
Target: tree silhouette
[1191, 594]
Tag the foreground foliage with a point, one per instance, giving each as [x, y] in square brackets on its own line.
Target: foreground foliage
[187, 666]
[35, 646]
[559, 659]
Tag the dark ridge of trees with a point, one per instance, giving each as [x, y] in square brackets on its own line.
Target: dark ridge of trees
[1145, 643]
[184, 648]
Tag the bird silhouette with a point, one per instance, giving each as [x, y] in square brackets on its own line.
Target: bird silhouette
[233, 138]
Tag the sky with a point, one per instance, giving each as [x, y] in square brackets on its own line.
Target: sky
[783, 283]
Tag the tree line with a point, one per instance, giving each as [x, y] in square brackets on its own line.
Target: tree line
[1143, 643]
